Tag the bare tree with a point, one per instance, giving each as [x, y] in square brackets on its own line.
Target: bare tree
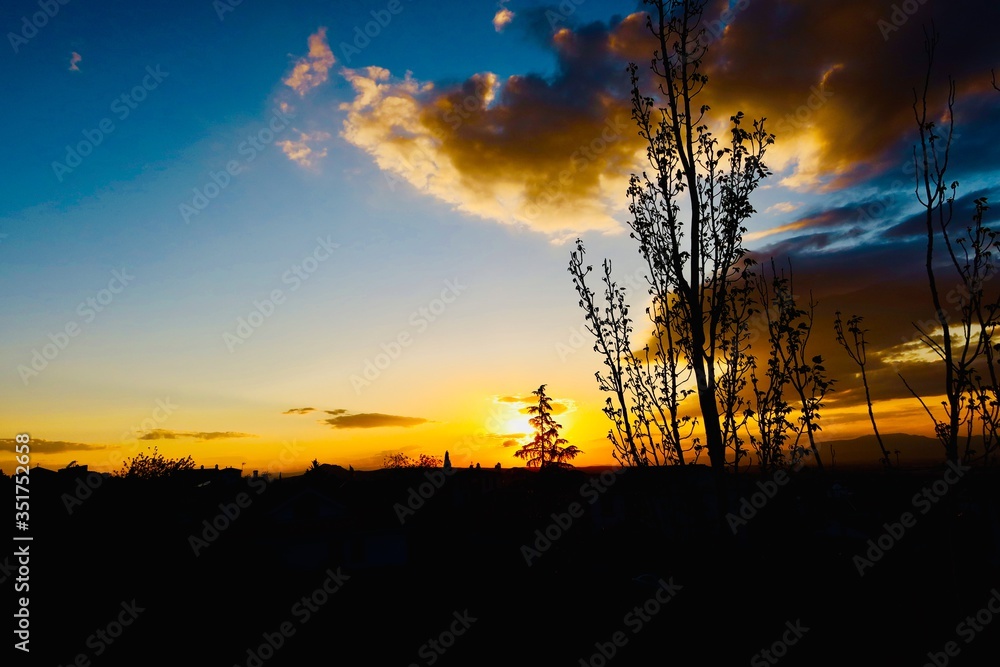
[688, 215]
[789, 368]
[646, 387]
[965, 346]
[857, 350]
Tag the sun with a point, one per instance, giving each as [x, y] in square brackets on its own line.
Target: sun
[518, 424]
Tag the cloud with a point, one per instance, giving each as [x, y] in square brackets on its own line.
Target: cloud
[314, 69]
[371, 420]
[301, 152]
[298, 411]
[75, 58]
[336, 412]
[841, 107]
[552, 154]
[782, 207]
[165, 434]
[50, 446]
[502, 19]
[559, 405]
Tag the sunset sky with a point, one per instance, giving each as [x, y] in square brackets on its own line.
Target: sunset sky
[265, 233]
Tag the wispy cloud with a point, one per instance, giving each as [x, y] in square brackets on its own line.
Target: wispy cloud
[301, 152]
[298, 411]
[313, 69]
[165, 434]
[559, 405]
[502, 19]
[50, 446]
[782, 207]
[74, 60]
[370, 420]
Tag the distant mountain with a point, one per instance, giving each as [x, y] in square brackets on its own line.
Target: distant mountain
[914, 450]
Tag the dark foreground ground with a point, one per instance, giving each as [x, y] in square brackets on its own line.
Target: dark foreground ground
[422, 568]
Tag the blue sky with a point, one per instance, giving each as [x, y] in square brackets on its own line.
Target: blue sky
[199, 86]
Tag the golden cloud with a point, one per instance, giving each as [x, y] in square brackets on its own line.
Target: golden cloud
[301, 152]
[312, 70]
[50, 446]
[371, 420]
[165, 434]
[502, 19]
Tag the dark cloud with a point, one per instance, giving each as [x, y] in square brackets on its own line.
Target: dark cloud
[549, 152]
[822, 71]
[298, 411]
[835, 88]
[165, 434]
[339, 411]
[50, 446]
[372, 420]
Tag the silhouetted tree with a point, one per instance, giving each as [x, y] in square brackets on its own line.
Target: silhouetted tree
[965, 346]
[428, 461]
[692, 263]
[400, 460]
[546, 448]
[857, 350]
[153, 466]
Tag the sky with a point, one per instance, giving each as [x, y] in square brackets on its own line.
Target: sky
[261, 234]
